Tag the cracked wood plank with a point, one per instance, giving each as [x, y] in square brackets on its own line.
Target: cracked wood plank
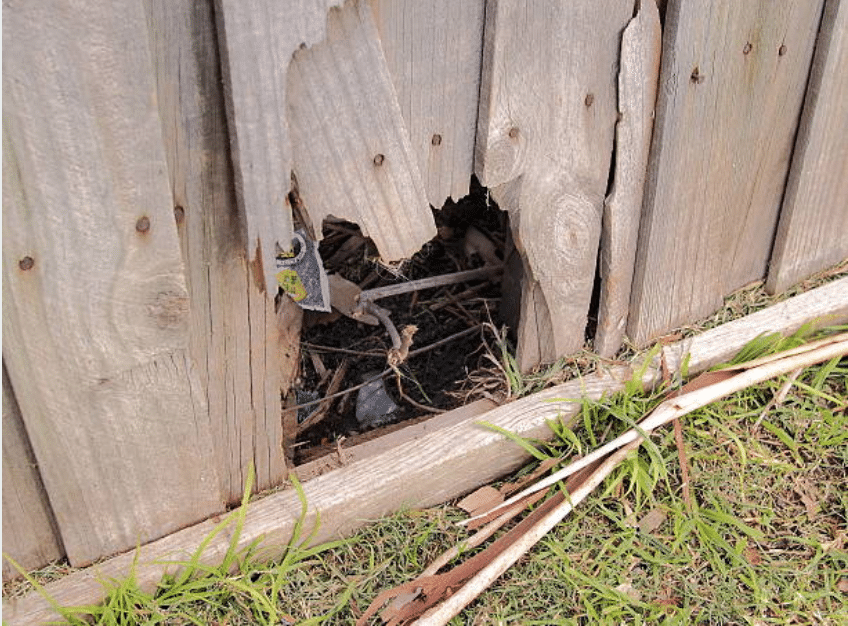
[352, 155]
[433, 50]
[544, 145]
[245, 351]
[641, 46]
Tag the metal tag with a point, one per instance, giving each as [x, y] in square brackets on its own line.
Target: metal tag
[301, 274]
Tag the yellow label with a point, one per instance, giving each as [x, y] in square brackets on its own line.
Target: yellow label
[291, 284]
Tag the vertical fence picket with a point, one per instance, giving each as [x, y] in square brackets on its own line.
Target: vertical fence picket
[433, 50]
[731, 88]
[813, 230]
[234, 333]
[544, 145]
[94, 301]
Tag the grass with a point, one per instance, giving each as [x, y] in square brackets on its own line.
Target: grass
[762, 541]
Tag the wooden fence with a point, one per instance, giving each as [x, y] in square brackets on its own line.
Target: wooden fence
[149, 150]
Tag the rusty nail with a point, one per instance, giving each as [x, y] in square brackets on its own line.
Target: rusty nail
[26, 263]
[781, 50]
[179, 214]
[513, 132]
[696, 76]
[378, 160]
[143, 224]
[436, 140]
[590, 98]
[747, 48]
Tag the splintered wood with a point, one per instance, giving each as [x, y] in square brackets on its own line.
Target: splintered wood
[352, 154]
[544, 143]
[641, 46]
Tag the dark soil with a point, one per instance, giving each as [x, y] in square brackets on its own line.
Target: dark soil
[438, 313]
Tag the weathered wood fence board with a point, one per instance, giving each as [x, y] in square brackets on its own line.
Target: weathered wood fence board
[732, 85]
[257, 39]
[545, 131]
[641, 47]
[813, 230]
[433, 50]
[352, 155]
[30, 535]
[94, 300]
[233, 331]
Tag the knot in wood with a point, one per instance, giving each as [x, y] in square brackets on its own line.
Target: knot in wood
[26, 263]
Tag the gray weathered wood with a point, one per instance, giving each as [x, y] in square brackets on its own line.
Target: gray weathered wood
[30, 535]
[544, 145]
[94, 301]
[813, 230]
[352, 155]
[257, 40]
[233, 331]
[732, 83]
[433, 50]
[422, 471]
[639, 68]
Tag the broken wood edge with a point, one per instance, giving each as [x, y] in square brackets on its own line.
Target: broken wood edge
[423, 471]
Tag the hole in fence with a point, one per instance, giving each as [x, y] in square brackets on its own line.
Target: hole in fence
[339, 353]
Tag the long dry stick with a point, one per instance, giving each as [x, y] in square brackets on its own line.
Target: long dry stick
[617, 451]
[681, 405]
[450, 608]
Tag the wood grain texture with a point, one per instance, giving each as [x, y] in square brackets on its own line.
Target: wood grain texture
[234, 337]
[544, 145]
[813, 231]
[441, 465]
[433, 49]
[732, 83]
[95, 307]
[30, 535]
[638, 75]
[257, 40]
[352, 154]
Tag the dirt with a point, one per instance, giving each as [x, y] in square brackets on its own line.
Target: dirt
[431, 378]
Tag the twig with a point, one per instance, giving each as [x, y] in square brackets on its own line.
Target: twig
[318, 348]
[370, 295]
[684, 463]
[324, 407]
[450, 608]
[479, 537]
[417, 405]
[778, 398]
[688, 402]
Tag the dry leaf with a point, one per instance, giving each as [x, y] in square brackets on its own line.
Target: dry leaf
[809, 495]
[842, 585]
[752, 555]
[480, 501]
[627, 589]
[652, 520]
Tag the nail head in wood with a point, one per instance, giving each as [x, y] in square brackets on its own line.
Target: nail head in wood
[26, 263]
[513, 132]
[747, 49]
[781, 50]
[378, 160]
[436, 140]
[696, 76]
[590, 98]
[143, 224]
